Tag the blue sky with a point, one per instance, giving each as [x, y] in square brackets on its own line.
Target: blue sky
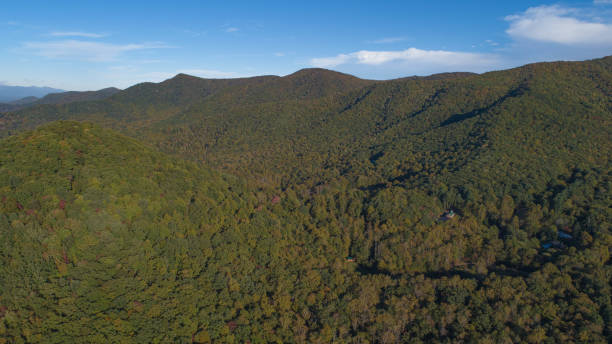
[82, 45]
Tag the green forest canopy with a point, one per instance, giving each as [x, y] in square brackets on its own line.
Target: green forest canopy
[230, 214]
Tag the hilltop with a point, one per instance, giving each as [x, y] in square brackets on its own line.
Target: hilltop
[84, 222]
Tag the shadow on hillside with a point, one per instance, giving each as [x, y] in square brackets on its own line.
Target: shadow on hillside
[516, 92]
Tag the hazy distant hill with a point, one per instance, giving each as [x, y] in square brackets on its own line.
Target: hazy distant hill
[59, 98]
[11, 93]
[75, 96]
[314, 208]
[23, 101]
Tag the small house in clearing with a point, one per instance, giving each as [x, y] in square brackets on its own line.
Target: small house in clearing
[448, 215]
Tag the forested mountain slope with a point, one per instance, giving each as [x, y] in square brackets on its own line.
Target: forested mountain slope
[76, 96]
[328, 216]
[384, 131]
[265, 124]
[105, 240]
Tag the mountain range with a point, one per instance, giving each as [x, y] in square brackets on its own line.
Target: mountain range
[13, 93]
[58, 98]
[317, 207]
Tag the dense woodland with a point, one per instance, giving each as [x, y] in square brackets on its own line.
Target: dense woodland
[313, 208]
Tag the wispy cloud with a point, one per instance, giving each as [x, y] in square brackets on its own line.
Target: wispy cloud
[17, 24]
[76, 34]
[150, 61]
[388, 40]
[85, 50]
[411, 55]
[193, 33]
[556, 24]
[331, 61]
[232, 29]
[122, 68]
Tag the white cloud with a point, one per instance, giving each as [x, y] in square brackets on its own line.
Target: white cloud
[440, 58]
[85, 50]
[388, 40]
[76, 34]
[557, 24]
[328, 62]
[232, 29]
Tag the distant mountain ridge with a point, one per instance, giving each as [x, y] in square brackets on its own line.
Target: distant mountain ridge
[11, 93]
[23, 101]
[259, 123]
[183, 89]
[59, 98]
[77, 96]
